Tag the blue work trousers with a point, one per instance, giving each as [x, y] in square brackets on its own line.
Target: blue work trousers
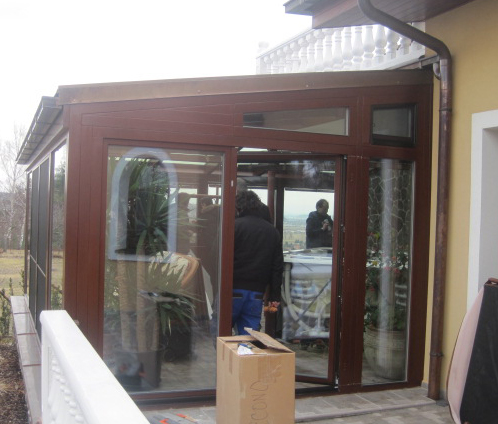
[246, 310]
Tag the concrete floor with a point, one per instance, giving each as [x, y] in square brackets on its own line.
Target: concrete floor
[404, 406]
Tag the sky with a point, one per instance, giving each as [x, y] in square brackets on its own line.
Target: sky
[48, 43]
[301, 202]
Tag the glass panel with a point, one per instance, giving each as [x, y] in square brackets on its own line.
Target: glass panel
[393, 126]
[40, 261]
[33, 242]
[58, 222]
[162, 267]
[27, 261]
[41, 258]
[32, 287]
[303, 318]
[332, 120]
[33, 239]
[388, 268]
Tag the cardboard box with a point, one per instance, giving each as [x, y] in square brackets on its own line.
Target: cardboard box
[257, 387]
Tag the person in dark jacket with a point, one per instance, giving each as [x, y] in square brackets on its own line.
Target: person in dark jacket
[319, 226]
[264, 211]
[257, 263]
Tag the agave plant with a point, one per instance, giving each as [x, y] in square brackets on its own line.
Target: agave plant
[175, 304]
[148, 207]
[151, 285]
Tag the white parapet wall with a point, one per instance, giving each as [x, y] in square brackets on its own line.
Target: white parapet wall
[77, 386]
[368, 47]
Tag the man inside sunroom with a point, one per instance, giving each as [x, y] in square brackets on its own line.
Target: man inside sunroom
[319, 226]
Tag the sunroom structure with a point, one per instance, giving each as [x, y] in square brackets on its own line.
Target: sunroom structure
[131, 216]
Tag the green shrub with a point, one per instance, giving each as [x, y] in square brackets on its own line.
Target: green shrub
[6, 329]
[6, 312]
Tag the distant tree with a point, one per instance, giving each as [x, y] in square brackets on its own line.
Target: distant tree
[12, 192]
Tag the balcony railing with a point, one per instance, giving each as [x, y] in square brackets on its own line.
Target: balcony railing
[77, 387]
[367, 47]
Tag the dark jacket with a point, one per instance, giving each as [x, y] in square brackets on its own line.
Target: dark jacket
[315, 236]
[258, 259]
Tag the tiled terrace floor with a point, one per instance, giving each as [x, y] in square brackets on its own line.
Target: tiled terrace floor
[405, 406]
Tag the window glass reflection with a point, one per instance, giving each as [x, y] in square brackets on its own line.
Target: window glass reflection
[162, 268]
[393, 126]
[321, 121]
[27, 261]
[58, 223]
[388, 268]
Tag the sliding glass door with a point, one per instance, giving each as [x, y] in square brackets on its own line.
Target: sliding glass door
[162, 262]
[302, 196]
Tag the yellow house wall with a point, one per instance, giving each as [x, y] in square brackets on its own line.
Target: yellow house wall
[471, 34]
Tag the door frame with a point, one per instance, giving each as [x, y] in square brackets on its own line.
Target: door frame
[337, 247]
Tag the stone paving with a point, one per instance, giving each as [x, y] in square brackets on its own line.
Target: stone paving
[405, 406]
[422, 415]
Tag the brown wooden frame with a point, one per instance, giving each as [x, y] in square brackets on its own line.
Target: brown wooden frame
[215, 121]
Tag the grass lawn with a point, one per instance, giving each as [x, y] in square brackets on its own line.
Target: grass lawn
[11, 264]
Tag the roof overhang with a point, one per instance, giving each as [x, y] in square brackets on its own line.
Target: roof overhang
[214, 86]
[45, 115]
[343, 13]
[51, 107]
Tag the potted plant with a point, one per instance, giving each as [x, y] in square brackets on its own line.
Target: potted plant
[387, 276]
[151, 279]
[174, 302]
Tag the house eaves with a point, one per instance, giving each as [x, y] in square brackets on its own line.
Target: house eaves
[47, 121]
[45, 116]
[213, 86]
[343, 13]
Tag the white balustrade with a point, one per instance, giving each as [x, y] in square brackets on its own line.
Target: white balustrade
[294, 47]
[358, 49]
[337, 60]
[368, 46]
[310, 38]
[303, 58]
[320, 36]
[77, 387]
[327, 47]
[380, 45]
[365, 47]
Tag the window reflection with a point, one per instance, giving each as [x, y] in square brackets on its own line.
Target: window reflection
[26, 286]
[388, 270]
[393, 126]
[334, 120]
[161, 277]
[58, 223]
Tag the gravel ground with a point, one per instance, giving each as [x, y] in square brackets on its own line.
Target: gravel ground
[12, 404]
